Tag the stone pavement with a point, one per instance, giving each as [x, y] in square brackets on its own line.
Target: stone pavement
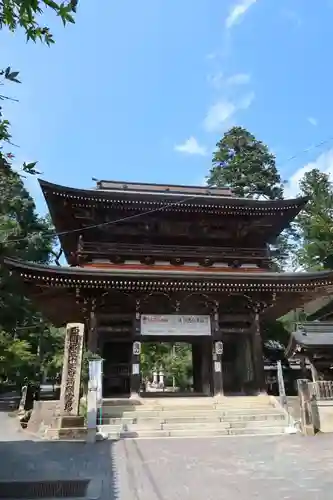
[10, 429]
[287, 467]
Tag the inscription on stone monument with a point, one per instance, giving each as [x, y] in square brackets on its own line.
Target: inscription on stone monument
[71, 374]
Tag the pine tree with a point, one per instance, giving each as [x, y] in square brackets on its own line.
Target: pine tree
[315, 223]
[246, 165]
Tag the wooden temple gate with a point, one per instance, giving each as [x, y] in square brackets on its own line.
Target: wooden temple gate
[143, 249]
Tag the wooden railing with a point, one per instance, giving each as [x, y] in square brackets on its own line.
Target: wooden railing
[323, 390]
[216, 253]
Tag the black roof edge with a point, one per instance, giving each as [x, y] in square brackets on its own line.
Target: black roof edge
[246, 276]
[298, 201]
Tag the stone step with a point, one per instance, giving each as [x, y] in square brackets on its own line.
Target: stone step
[219, 409]
[191, 404]
[184, 400]
[186, 412]
[194, 433]
[193, 426]
[214, 404]
[188, 419]
[193, 417]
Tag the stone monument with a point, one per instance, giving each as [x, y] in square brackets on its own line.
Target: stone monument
[71, 376]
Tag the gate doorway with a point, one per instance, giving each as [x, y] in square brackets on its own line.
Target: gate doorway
[116, 369]
[174, 369]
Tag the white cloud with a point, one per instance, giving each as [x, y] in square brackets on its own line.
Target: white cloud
[191, 147]
[324, 163]
[218, 80]
[246, 101]
[313, 121]
[238, 11]
[218, 113]
[239, 79]
[223, 111]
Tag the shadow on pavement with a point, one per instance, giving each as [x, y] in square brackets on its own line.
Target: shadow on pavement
[59, 460]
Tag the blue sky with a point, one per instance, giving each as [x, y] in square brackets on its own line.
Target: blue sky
[142, 91]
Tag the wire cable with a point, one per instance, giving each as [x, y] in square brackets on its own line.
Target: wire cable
[307, 150]
[101, 224]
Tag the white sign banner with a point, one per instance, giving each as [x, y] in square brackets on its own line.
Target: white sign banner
[175, 324]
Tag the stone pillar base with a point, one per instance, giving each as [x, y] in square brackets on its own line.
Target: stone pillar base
[135, 396]
[91, 435]
[70, 422]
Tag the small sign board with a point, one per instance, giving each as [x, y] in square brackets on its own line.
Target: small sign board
[135, 369]
[217, 367]
[175, 325]
[136, 348]
[219, 347]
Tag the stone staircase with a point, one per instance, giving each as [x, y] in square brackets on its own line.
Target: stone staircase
[193, 417]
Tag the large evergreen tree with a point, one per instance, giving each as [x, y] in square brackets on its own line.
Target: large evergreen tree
[315, 223]
[23, 234]
[246, 165]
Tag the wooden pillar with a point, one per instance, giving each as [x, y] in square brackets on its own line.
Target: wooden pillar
[217, 368]
[248, 364]
[135, 372]
[258, 357]
[206, 361]
[217, 348]
[135, 379]
[92, 332]
[196, 367]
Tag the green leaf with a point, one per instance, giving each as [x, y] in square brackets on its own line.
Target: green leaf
[52, 4]
[27, 14]
[30, 168]
[13, 76]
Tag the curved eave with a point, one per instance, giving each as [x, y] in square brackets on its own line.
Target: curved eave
[296, 349]
[323, 313]
[311, 336]
[209, 280]
[54, 288]
[266, 207]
